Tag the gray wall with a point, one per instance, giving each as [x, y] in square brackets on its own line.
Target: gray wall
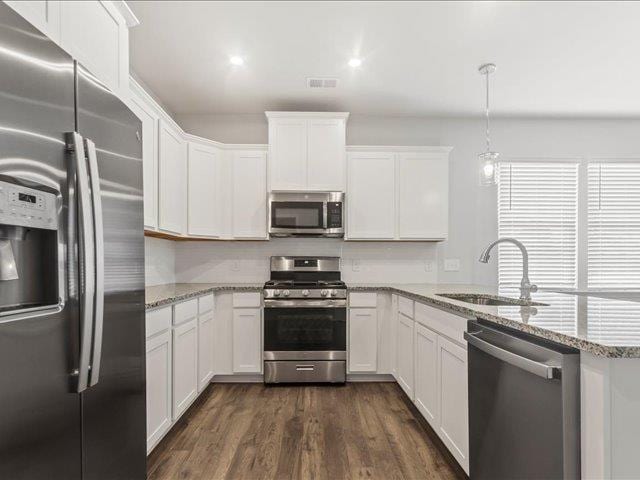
[473, 221]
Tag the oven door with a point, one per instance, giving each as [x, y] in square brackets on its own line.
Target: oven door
[297, 217]
[314, 333]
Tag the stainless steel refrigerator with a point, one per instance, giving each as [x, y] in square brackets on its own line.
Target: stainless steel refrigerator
[72, 361]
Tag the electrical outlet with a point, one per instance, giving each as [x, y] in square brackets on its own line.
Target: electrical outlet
[355, 265]
[428, 266]
[451, 264]
[235, 266]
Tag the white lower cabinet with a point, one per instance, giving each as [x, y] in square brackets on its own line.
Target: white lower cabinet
[363, 340]
[205, 349]
[404, 352]
[158, 387]
[185, 366]
[247, 340]
[454, 413]
[426, 363]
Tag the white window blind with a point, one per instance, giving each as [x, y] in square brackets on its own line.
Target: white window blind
[538, 205]
[613, 250]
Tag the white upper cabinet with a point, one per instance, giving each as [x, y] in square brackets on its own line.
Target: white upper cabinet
[307, 150]
[148, 115]
[96, 34]
[326, 153]
[397, 195]
[423, 195]
[172, 180]
[203, 180]
[249, 187]
[42, 14]
[288, 153]
[371, 196]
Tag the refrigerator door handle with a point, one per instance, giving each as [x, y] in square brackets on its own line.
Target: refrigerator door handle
[86, 255]
[98, 232]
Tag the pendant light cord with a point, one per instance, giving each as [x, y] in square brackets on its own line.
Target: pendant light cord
[487, 112]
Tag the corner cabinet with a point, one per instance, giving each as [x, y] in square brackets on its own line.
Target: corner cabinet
[203, 179]
[307, 150]
[172, 179]
[398, 195]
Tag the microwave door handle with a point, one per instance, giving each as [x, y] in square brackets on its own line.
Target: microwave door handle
[324, 215]
[86, 255]
[98, 233]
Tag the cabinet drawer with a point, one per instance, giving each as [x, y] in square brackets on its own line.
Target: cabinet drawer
[185, 311]
[405, 306]
[445, 323]
[157, 321]
[247, 299]
[205, 304]
[362, 299]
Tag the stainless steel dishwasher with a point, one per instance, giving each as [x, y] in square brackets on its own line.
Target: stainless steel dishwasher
[524, 406]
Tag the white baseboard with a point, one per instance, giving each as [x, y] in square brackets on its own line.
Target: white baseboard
[258, 378]
[370, 377]
[238, 378]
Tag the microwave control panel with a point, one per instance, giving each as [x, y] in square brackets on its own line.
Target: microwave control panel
[27, 207]
[334, 214]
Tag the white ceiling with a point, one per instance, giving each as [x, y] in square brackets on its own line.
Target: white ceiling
[420, 58]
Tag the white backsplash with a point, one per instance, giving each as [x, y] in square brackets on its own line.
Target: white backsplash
[362, 262]
[159, 261]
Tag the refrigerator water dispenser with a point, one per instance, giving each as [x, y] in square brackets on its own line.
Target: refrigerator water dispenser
[28, 245]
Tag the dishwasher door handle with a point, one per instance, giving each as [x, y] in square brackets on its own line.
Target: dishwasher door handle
[537, 368]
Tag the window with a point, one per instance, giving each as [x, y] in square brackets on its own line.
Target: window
[538, 205]
[613, 246]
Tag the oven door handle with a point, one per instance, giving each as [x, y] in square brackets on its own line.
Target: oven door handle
[342, 303]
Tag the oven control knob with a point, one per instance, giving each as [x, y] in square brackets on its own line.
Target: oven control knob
[324, 293]
[305, 293]
[285, 293]
[334, 293]
[276, 293]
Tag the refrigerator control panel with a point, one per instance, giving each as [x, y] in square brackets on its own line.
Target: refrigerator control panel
[27, 207]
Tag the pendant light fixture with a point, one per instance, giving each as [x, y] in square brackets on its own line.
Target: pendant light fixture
[488, 160]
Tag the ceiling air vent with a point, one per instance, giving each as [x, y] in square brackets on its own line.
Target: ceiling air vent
[313, 82]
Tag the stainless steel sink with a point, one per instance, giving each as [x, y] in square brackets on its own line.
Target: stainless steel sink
[485, 299]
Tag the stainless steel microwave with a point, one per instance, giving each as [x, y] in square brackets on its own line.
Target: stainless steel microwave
[316, 214]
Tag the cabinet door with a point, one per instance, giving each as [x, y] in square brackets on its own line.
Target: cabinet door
[426, 366]
[250, 195]
[288, 153]
[205, 350]
[405, 353]
[185, 366]
[326, 154]
[172, 180]
[423, 196]
[247, 340]
[149, 119]
[97, 36]
[371, 196]
[202, 186]
[363, 340]
[158, 360]
[42, 14]
[454, 413]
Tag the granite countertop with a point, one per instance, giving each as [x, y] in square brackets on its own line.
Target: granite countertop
[160, 295]
[608, 327]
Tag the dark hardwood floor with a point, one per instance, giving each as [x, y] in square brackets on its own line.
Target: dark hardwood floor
[249, 431]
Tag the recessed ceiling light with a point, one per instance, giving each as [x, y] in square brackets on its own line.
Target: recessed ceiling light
[236, 60]
[355, 62]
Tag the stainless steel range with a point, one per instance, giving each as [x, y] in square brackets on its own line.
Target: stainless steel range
[305, 321]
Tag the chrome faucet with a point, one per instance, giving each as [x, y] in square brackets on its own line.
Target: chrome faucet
[526, 287]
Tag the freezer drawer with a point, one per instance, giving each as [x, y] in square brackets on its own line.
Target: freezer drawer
[292, 371]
